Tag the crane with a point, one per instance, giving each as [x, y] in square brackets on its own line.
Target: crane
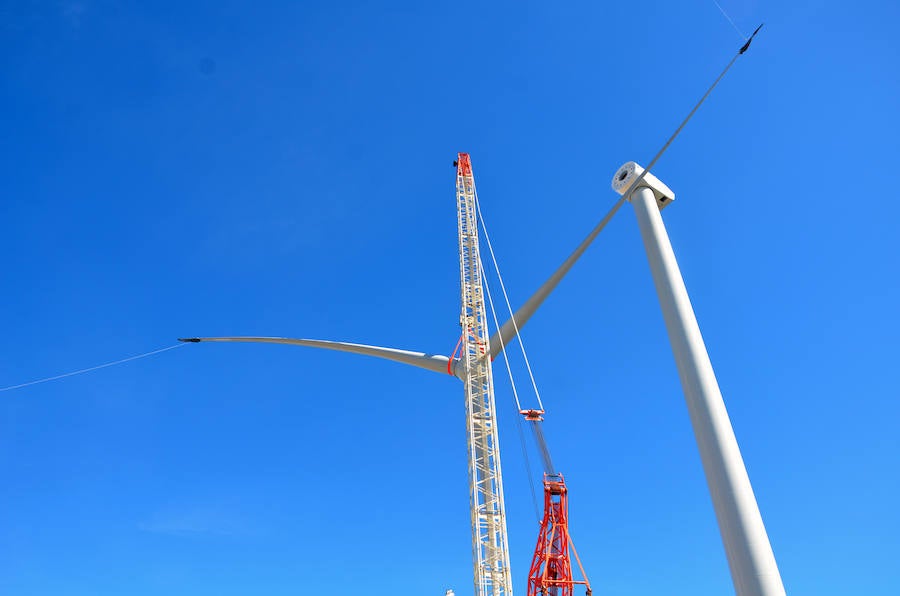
[550, 573]
[473, 366]
[490, 548]
[750, 557]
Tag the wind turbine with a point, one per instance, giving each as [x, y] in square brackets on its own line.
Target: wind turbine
[750, 557]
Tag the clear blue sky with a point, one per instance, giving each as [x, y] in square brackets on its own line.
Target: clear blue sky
[285, 169]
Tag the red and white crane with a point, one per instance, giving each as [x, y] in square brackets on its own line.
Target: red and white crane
[551, 573]
[472, 363]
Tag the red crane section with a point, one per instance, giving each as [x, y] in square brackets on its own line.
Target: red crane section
[463, 165]
[551, 567]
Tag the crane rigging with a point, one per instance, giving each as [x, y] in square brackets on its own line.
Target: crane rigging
[551, 568]
[550, 572]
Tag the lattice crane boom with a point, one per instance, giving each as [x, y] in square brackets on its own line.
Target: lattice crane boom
[490, 548]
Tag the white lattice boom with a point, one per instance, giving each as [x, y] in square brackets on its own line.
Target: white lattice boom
[490, 550]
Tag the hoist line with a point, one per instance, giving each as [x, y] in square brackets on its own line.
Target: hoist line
[528, 471]
[490, 299]
[487, 290]
[536, 429]
[534, 500]
[92, 368]
[512, 315]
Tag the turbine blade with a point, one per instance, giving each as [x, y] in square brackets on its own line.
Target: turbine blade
[432, 362]
[507, 331]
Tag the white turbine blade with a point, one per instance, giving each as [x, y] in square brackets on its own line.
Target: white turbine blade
[438, 364]
[507, 331]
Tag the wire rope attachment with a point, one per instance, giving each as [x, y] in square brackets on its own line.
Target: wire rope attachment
[535, 418]
[455, 355]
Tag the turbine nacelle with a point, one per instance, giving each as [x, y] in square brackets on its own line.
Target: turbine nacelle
[631, 172]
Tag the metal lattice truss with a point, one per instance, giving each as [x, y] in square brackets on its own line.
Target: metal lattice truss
[490, 549]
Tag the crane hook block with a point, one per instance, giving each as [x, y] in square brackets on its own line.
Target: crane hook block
[532, 415]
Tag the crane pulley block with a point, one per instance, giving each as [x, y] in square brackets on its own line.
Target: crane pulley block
[532, 415]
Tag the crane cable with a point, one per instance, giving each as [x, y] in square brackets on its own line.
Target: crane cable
[536, 429]
[730, 20]
[92, 368]
[512, 382]
[508, 306]
[528, 471]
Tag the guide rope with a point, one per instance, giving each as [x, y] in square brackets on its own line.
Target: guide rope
[744, 37]
[92, 368]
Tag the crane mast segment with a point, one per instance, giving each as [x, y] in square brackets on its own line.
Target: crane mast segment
[490, 549]
[550, 573]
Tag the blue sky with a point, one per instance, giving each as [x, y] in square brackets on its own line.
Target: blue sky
[285, 169]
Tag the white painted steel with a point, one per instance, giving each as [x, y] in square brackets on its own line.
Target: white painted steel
[490, 549]
[750, 557]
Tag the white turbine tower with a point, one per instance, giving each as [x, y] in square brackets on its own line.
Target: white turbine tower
[750, 557]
